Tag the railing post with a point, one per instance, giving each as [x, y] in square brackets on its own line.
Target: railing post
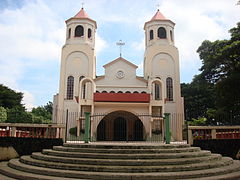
[190, 136]
[167, 126]
[87, 127]
[13, 131]
[213, 133]
[66, 133]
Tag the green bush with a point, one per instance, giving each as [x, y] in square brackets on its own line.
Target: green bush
[156, 132]
[73, 131]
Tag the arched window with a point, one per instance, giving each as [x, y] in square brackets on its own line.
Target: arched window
[97, 92]
[81, 77]
[135, 92]
[157, 91]
[162, 33]
[171, 35]
[127, 92]
[84, 88]
[143, 92]
[69, 33]
[89, 33]
[79, 31]
[70, 86]
[169, 84]
[104, 91]
[120, 92]
[151, 34]
[112, 91]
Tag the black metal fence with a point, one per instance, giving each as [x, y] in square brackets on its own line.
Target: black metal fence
[116, 126]
[125, 126]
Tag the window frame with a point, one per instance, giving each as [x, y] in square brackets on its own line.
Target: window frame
[151, 35]
[70, 88]
[79, 33]
[162, 34]
[169, 89]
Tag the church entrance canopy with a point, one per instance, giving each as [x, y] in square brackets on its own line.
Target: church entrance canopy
[120, 126]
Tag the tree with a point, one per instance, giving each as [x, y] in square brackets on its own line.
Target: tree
[214, 93]
[221, 67]
[3, 114]
[42, 114]
[198, 96]
[9, 98]
[49, 107]
[18, 115]
[198, 122]
[12, 111]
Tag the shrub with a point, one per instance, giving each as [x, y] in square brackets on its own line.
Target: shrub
[73, 131]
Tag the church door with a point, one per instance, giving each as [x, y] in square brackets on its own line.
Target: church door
[101, 134]
[120, 129]
[138, 130]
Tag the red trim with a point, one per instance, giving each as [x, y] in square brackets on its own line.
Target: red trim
[122, 97]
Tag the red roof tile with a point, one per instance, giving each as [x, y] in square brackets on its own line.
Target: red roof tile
[158, 16]
[81, 14]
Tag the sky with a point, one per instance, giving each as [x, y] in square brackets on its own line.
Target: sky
[32, 33]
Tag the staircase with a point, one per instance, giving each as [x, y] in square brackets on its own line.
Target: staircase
[124, 161]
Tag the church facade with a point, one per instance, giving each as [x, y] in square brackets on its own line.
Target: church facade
[120, 91]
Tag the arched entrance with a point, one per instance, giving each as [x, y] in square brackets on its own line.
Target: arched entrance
[120, 126]
[120, 129]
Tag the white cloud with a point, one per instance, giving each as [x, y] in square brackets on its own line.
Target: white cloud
[30, 37]
[138, 45]
[28, 100]
[197, 21]
[31, 33]
[100, 43]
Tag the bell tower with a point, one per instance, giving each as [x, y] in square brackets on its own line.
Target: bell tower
[159, 39]
[78, 58]
[161, 68]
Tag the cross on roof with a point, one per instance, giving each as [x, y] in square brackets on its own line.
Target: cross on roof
[120, 44]
[158, 6]
[82, 4]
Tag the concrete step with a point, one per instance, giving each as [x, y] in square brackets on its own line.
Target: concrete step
[16, 164]
[2, 177]
[126, 168]
[129, 162]
[126, 156]
[125, 145]
[229, 176]
[9, 173]
[125, 151]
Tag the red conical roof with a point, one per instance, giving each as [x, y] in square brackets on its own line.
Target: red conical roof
[158, 16]
[81, 14]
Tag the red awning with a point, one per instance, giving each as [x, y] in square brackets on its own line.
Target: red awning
[122, 97]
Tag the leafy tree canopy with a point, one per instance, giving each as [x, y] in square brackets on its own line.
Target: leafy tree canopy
[3, 114]
[221, 66]
[42, 114]
[18, 115]
[215, 91]
[10, 98]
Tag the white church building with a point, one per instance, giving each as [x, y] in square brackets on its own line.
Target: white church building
[120, 94]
